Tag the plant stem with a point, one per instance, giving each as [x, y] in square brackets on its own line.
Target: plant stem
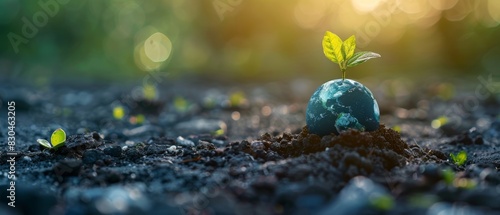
[343, 68]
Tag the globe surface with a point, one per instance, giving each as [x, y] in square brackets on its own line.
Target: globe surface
[338, 105]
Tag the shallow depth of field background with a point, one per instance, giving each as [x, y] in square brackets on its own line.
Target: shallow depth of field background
[248, 40]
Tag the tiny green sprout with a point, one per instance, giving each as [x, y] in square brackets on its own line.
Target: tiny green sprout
[382, 202]
[150, 92]
[397, 128]
[342, 53]
[448, 176]
[218, 132]
[460, 158]
[181, 104]
[422, 200]
[118, 112]
[56, 140]
[237, 99]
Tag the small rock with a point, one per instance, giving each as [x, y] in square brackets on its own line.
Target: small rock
[204, 145]
[200, 126]
[172, 149]
[472, 136]
[91, 156]
[115, 151]
[133, 153]
[96, 136]
[184, 142]
[355, 197]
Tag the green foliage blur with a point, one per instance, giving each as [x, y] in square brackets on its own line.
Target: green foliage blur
[243, 40]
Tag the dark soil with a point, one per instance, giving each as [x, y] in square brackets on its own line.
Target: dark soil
[265, 161]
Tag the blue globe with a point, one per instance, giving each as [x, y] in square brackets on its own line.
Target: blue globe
[339, 105]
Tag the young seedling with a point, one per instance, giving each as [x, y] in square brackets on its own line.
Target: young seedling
[342, 104]
[342, 53]
[150, 92]
[459, 159]
[56, 140]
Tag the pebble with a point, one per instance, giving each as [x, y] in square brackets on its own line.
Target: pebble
[91, 156]
[184, 142]
[355, 197]
[172, 149]
[112, 200]
[200, 126]
[472, 136]
[115, 151]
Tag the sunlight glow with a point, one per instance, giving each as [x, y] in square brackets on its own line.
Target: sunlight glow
[158, 47]
[365, 5]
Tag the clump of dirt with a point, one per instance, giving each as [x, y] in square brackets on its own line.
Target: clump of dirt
[377, 151]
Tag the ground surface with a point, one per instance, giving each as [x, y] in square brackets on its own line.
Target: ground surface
[212, 150]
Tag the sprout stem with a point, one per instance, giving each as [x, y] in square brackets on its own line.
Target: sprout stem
[343, 68]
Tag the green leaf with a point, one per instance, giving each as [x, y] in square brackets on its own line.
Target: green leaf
[332, 47]
[44, 143]
[448, 176]
[460, 158]
[361, 57]
[382, 202]
[348, 47]
[58, 138]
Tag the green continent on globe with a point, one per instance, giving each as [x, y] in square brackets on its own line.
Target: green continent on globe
[339, 105]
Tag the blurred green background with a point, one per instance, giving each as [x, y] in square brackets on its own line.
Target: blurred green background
[244, 40]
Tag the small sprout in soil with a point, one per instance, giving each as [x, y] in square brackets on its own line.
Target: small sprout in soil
[150, 92]
[237, 99]
[382, 202]
[118, 112]
[440, 121]
[342, 104]
[459, 159]
[448, 176]
[56, 140]
[342, 53]
[219, 132]
[181, 104]
[422, 200]
[397, 128]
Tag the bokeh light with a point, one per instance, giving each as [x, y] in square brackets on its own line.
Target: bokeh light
[254, 40]
[158, 47]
